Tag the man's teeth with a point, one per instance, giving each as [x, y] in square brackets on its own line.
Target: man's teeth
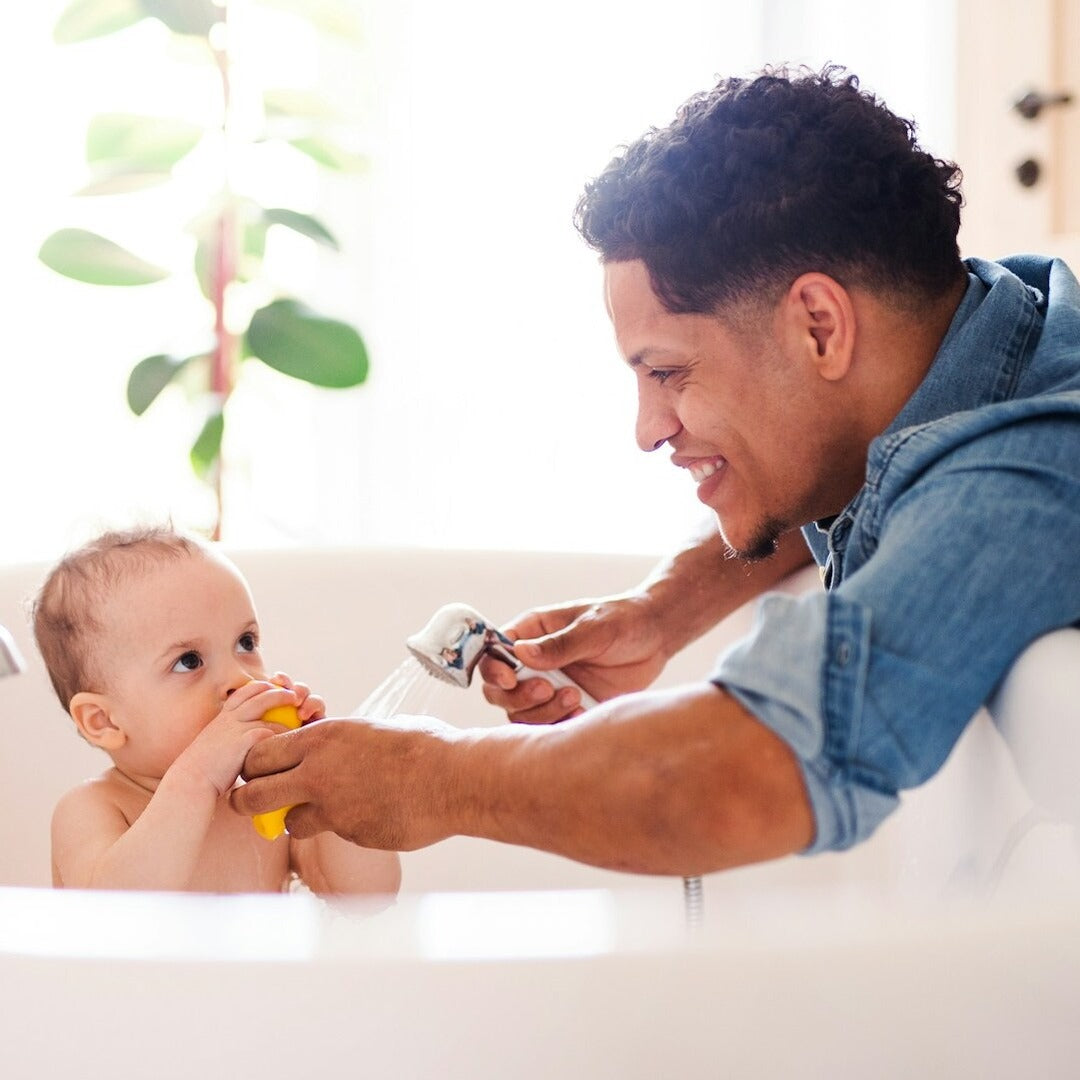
[701, 470]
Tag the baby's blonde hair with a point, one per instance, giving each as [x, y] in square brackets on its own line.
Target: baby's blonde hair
[64, 611]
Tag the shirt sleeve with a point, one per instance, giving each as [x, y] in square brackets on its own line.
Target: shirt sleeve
[802, 671]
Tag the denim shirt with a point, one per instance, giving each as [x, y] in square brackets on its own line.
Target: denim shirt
[961, 548]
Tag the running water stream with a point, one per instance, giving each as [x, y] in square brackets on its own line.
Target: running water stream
[407, 689]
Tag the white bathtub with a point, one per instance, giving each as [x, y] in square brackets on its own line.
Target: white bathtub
[947, 946]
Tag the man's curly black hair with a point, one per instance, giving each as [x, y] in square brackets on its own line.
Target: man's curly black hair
[760, 180]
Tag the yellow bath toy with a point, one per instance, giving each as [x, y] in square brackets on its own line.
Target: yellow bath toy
[271, 825]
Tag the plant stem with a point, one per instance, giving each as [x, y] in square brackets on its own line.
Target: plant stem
[223, 366]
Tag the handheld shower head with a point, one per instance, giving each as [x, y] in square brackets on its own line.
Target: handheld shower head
[454, 639]
[452, 642]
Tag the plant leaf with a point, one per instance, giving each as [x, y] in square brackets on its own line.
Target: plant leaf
[253, 243]
[184, 16]
[205, 250]
[149, 377]
[291, 338]
[329, 154]
[304, 224]
[144, 143]
[85, 19]
[206, 449]
[86, 256]
[297, 104]
[110, 180]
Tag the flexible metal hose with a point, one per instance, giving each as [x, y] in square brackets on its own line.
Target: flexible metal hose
[694, 901]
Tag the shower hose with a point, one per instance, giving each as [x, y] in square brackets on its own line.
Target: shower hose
[693, 900]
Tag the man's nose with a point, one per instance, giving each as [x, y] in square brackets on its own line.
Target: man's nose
[656, 420]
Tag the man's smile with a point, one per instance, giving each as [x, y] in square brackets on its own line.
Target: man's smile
[700, 468]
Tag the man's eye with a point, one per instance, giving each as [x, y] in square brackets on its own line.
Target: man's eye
[190, 661]
[247, 643]
[661, 375]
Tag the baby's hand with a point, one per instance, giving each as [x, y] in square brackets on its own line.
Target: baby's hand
[309, 706]
[217, 753]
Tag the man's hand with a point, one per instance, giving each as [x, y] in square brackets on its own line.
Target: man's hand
[609, 647]
[620, 644]
[371, 782]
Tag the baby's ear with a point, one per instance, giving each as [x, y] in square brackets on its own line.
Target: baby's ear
[91, 715]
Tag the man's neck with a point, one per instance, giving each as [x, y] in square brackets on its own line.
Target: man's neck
[900, 346]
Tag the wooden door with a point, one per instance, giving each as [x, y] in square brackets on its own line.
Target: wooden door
[1021, 165]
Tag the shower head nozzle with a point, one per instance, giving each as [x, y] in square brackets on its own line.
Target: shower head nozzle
[455, 638]
[451, 644]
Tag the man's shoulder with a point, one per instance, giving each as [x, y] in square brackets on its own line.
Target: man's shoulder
[1038, 421]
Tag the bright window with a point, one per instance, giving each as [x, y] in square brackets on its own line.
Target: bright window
[497, 413]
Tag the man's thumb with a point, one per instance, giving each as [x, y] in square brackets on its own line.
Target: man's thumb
[551, 651]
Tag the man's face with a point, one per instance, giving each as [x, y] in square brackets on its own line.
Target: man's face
[737, 407]
[182, 636]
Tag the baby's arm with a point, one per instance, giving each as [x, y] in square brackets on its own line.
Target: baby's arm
[96, 847]
[326, 863]
[332, 866]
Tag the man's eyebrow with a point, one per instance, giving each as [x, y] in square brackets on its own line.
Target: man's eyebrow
[652, 355]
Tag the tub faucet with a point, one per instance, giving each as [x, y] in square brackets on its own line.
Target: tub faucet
[11, 663]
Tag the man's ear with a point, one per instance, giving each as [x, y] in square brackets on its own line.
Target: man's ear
[822, 318]
[91, 715]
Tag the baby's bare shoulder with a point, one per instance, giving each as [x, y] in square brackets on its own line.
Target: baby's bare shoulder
[108, 793]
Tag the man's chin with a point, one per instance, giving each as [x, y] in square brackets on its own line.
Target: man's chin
[757, 546]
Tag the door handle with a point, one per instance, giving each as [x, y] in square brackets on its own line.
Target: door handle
[1033, 103]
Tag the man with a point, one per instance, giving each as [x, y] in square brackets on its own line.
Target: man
[782, 274]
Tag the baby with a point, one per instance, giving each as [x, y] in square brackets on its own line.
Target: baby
[151, 641]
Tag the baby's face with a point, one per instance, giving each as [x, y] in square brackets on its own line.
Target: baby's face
[183, 635]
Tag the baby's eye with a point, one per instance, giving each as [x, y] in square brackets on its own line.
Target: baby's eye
[247, 642]
[190, 661]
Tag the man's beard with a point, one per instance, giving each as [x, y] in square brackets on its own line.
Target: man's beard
[762, 546]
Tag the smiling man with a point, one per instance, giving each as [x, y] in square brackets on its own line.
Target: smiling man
[782, 274]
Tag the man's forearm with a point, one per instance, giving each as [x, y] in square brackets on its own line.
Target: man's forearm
[663, 782]
[703, 583]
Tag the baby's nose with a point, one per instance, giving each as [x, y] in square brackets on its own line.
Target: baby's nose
[238, 679]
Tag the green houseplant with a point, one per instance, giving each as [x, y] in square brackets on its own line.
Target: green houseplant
[128, 152]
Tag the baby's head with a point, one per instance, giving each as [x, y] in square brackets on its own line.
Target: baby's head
[68, 609]
[144, 632]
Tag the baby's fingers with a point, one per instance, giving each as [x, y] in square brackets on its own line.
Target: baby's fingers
[239, 697]
[254, 699]
[311, 707]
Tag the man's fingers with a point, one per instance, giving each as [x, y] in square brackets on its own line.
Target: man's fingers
[274, 755]
[536, 701]
[268, 771]
[302, 821]
[496, 673]
[259, 797]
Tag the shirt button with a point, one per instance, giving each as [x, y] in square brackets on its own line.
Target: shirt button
[843, 653]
